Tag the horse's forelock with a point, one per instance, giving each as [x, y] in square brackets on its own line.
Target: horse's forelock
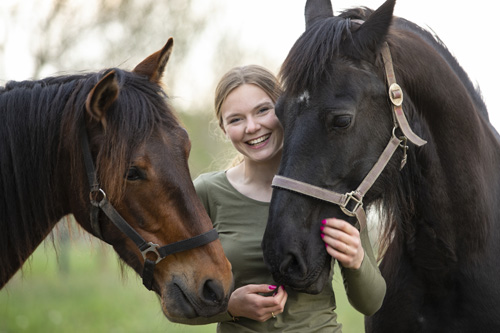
[306, 62]
[140, 110]
[131, 120]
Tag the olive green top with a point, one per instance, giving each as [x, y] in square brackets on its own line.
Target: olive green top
[241, 222]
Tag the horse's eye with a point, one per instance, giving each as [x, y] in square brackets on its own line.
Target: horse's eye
[134, 174]
[342, 121]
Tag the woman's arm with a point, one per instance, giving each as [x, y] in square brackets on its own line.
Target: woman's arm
[364, 284]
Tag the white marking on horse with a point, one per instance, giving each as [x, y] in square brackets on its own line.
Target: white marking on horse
[304, 97]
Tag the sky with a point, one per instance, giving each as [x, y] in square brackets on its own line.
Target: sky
[270, 27]
[464, 26]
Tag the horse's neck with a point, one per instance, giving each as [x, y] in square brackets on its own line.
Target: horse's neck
[462, 184]
[452, 112]
[459, 164]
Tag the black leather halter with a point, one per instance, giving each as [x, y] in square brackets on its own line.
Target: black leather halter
[99, 200]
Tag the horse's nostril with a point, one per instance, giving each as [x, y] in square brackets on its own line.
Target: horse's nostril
[293, 265]
[212, 292]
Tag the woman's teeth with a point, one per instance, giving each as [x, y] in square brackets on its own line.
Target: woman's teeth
[259, 140]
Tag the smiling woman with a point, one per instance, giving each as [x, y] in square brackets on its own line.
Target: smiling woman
[237, 199]
[250, 123]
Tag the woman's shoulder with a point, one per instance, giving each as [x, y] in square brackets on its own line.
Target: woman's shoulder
[210, 178]
[211, 182]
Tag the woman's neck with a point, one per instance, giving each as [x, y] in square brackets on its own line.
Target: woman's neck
[253, 179]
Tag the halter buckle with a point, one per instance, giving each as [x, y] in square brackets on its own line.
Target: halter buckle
[154, 249]
[358, 203]
[396, 94]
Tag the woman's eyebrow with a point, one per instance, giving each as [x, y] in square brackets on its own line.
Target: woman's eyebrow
[263, 103]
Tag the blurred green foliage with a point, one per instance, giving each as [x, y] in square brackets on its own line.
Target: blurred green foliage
[209, 149]
[91, 294]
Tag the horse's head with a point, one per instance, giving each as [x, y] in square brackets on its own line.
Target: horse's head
[141, 156]
[337, 120]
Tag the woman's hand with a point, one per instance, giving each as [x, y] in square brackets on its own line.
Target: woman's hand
[247, 302]
[343, 242]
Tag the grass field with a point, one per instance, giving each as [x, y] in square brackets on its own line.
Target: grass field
[81, 289]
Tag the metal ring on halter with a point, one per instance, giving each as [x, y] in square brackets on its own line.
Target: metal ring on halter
[93, 197]
[154, 249]
[403, 141]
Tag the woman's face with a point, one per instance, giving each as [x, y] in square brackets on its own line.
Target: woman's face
[250, 123]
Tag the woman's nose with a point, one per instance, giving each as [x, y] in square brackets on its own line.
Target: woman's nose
[252, 125]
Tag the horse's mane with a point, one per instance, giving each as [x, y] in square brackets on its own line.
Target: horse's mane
[39, 121]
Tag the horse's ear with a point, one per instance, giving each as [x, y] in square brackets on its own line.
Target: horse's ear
[373, 31]
[317, 9]
[154, 65]
[100, 98]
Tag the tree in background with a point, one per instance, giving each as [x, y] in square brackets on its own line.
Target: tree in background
[60, 36]
[82, 34]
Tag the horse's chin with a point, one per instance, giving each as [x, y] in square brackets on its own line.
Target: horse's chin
[310, 286]
[179, 302]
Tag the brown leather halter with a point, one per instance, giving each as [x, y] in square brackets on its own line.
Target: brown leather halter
[356, 196]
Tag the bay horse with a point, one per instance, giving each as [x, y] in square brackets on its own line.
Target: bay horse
[107, 148]
[378, 114]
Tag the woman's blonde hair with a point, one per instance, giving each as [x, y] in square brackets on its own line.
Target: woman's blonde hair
[238, 76]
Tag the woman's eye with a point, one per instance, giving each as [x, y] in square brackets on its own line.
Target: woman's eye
[233, 120]
[342, 121]
[134, 174]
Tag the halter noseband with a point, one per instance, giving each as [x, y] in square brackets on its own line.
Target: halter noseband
[354, 199]
[99, 200]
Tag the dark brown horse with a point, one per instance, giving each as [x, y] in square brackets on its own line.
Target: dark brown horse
[138, 197]
[440, 212]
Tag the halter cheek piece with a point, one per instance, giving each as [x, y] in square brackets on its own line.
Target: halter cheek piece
[352, 203]
[99, 200]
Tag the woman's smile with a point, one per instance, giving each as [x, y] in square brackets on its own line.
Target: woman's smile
[255, 143]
